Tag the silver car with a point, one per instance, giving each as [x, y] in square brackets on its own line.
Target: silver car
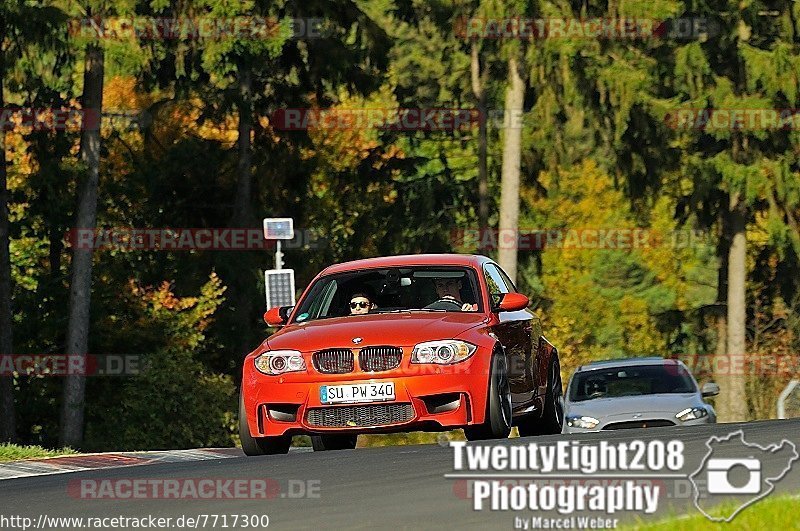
[635, 393]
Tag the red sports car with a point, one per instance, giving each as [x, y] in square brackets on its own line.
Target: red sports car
[404, 343]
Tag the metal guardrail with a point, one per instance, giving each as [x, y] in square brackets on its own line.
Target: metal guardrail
[783, 396]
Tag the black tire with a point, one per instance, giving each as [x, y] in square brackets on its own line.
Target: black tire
[552, 420]
[498, 406]
[259, 445]
[321, 443]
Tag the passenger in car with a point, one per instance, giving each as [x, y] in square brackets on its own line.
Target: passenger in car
[361, 303]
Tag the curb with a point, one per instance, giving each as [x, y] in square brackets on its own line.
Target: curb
[82, 462]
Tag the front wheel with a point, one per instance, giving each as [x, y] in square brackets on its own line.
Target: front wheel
[321, 443]
[259, 445]
[497, 424]
[552, 419]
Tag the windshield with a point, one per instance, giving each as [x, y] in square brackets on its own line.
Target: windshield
[630, 381]
[421, 288]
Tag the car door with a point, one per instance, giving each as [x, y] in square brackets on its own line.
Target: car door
[514, 331]
[540, 350]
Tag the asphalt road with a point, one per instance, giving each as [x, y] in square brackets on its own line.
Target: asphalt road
[384, 488]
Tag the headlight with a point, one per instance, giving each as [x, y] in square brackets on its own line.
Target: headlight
[280, 361]
[692, 413]
[442, 352]
[587, 423]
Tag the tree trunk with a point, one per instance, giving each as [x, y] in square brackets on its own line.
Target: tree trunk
[243, 283]
[721, 313]
[81, 287]
[243, 204]
[55, 249]
[8, 428]
[736, 409]
[479, 90]
[512, 153]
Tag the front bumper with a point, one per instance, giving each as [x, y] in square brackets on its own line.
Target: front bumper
[652, 421]
[427, 397]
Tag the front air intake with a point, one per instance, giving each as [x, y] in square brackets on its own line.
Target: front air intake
[377, 359]
[333, 361]
[358, 416]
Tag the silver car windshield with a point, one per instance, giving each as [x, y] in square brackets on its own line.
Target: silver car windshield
[610, 382]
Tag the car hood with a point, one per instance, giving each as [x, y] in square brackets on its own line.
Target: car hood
[648, 406]
[403, 329]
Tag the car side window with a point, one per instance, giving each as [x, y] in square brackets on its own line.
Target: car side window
[510, 285]
[495, 283]
[320, 307]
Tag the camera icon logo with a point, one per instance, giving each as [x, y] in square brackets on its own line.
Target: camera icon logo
[734, 470]
[718, 471]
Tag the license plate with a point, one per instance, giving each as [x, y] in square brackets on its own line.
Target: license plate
[366, 392]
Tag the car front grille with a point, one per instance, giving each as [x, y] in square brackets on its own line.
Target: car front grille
[355, 416]
[376, 359]
[655, 423]
[333, 361]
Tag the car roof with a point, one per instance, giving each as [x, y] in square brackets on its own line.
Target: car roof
[627, 362]
[406, 260]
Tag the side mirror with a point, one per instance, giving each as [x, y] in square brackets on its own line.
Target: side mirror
[285, 311]
[513, 302]
[710, 389]
[277, 316]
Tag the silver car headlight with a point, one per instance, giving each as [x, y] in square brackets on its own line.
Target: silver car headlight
[442, 352]
[587, 423]
[691, 413]
[276, 362]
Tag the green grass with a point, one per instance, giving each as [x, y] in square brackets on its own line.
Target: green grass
[14, 452]
[769, 513]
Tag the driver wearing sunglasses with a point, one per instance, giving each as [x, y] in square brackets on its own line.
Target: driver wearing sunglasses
[361, 304]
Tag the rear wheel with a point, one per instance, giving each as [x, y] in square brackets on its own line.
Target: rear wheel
[497, 424]
[320, 443]
[552, 419]
[259, 445]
